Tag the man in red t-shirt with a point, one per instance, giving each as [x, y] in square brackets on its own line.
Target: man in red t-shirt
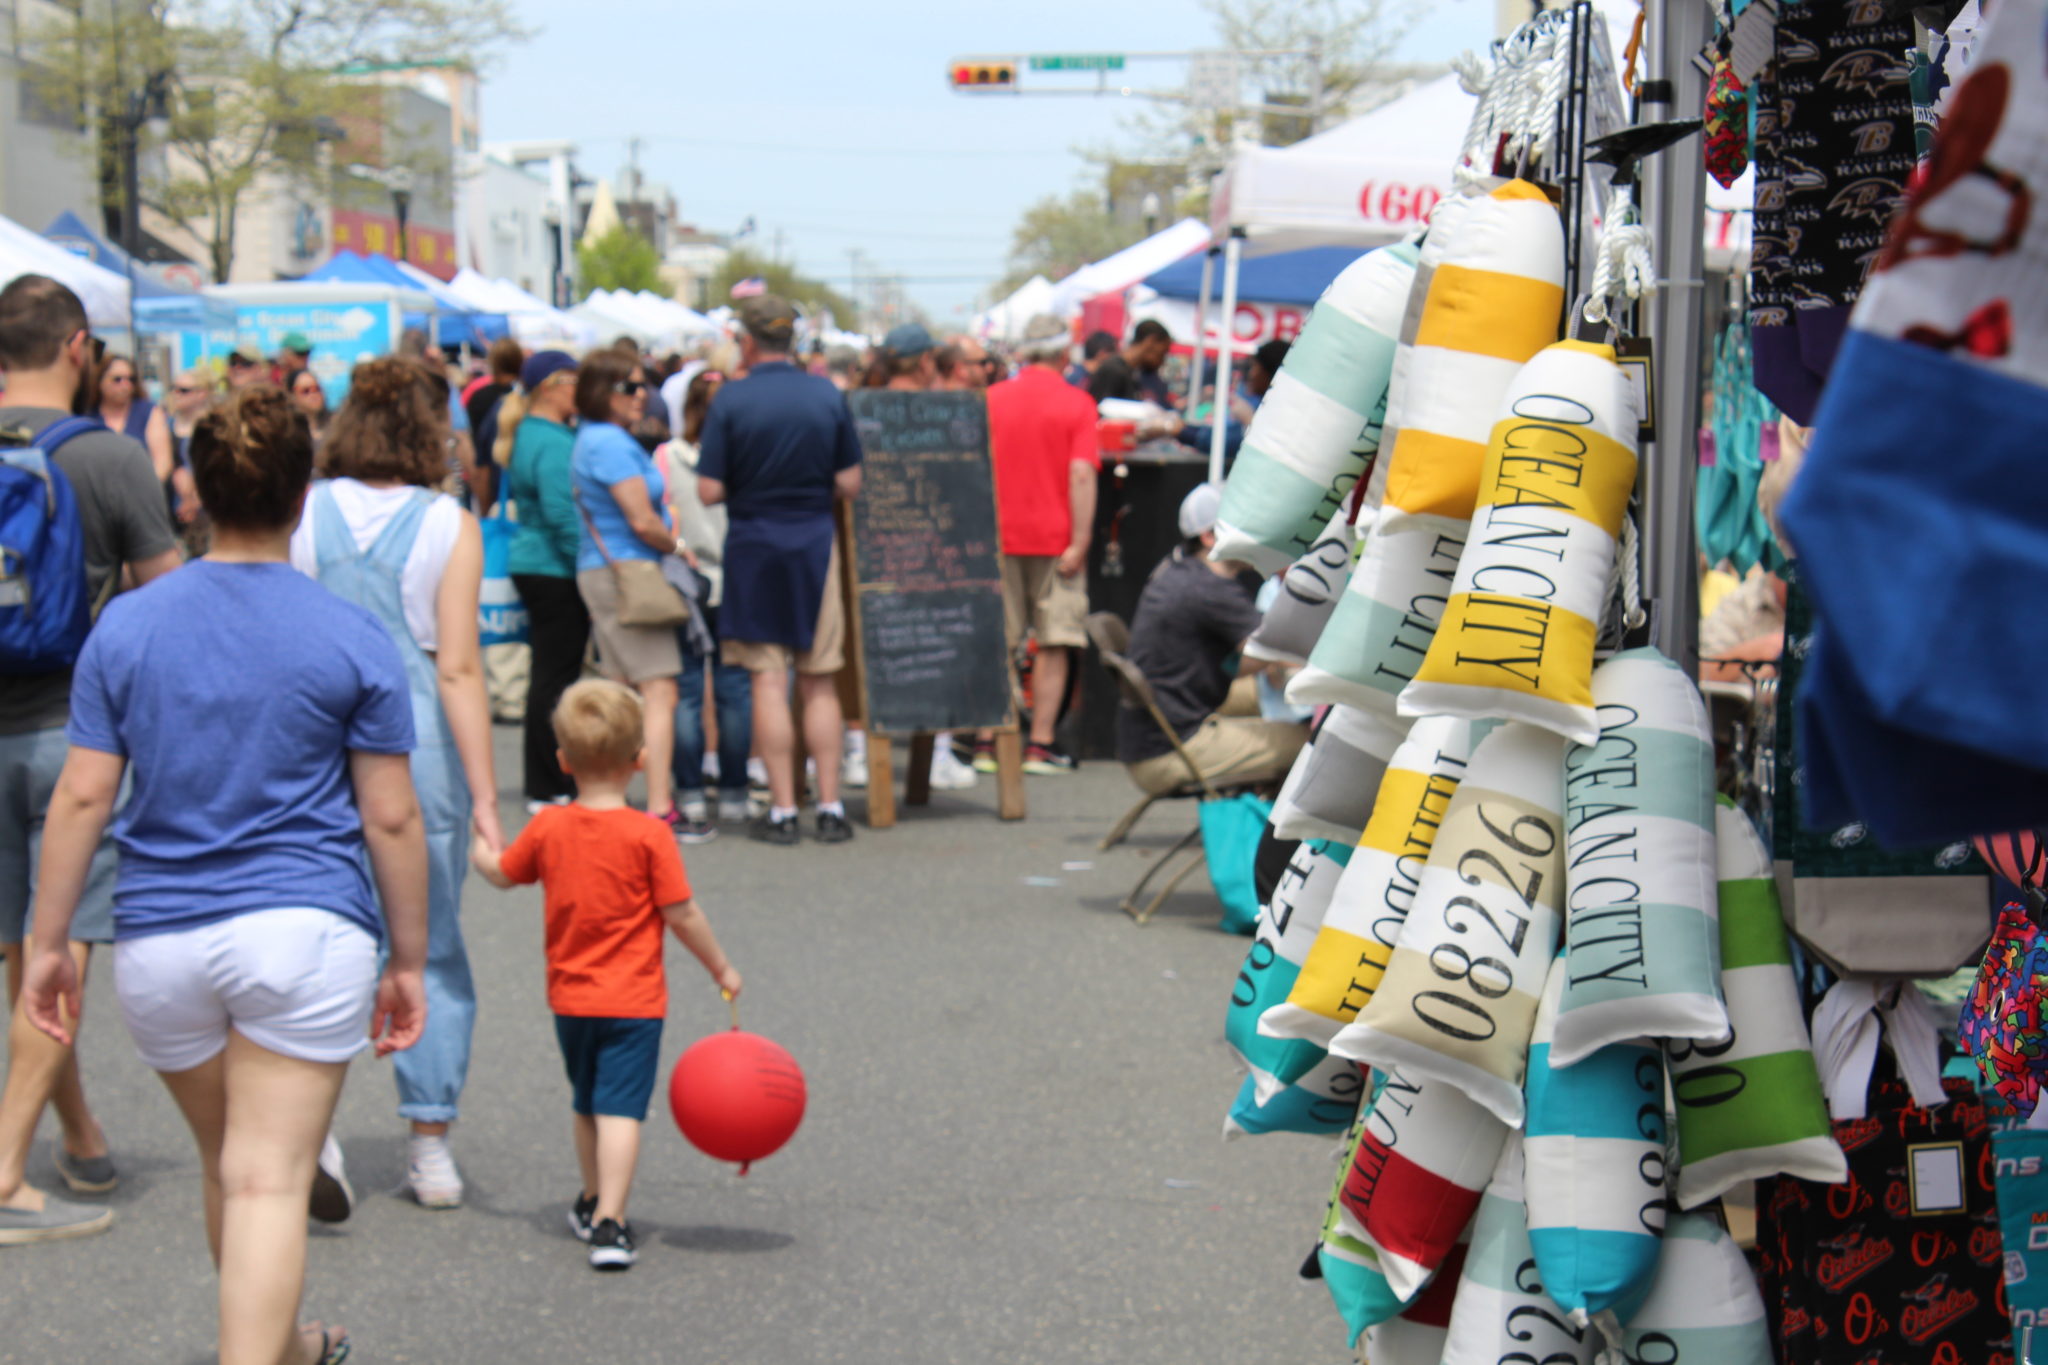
[1041, 431]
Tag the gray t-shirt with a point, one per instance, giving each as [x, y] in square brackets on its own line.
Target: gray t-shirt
[1190, 620]
[122, 514]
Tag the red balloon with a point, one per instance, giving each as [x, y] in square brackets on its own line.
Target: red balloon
[2012, 855]
[737, 1097]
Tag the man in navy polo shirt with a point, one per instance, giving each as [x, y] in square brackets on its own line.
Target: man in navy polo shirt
[778, 449]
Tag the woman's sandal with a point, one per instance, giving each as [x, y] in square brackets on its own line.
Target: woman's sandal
[332, 1351]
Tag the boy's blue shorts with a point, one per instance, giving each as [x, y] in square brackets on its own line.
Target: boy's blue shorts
[611, 1063]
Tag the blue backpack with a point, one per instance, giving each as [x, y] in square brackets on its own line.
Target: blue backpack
[44, 606]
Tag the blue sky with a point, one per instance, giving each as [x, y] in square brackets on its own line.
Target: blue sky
[834, 123]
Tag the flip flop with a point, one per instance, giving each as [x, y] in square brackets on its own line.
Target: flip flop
[332, 1352]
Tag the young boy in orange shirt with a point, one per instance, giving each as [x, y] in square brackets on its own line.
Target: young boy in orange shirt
[612, 879]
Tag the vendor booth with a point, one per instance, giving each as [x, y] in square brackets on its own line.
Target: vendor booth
[450, 320]
[345, 322]
[534, 323]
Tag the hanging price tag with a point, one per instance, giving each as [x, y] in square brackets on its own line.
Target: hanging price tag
[1633, 354]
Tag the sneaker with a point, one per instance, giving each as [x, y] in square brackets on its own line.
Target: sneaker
[1045, 761]
[534, 805]
[833, 828]
[431, 1174]
[333, 1199]
[698, 831]
[85, 1174]
[580, 1214]
[611, 1245]
[853, 772]
[948, 772]
[985, 758]
[757, 774]
[733, 810]
[54, 1221]
[769, 830]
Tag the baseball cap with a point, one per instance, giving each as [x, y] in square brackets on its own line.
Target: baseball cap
[907, 340]
[1198, 510]
[540, 365]
[769, 319]
[296, 343]
[238, 360]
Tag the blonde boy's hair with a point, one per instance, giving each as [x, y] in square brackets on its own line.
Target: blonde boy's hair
[598, 724]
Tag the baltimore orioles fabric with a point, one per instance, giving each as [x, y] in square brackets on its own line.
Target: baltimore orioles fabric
[1851, 1273]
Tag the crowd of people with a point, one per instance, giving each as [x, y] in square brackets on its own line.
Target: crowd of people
[257, 760]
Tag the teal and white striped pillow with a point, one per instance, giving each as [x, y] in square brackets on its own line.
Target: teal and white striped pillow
[1596, 1170]
[1642, 890]
[1704, 1308]
[1320, 422]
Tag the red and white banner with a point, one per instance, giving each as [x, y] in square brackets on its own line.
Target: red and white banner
[1251, 326]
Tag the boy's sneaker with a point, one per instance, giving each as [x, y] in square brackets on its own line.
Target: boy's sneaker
[732, 810]
[769, 830]
[690, 831]
[1046, 761]
[833, 828]
[333, 1199]
[611, 1246]
[430, 1173]
[985, 756]
[580, 1214]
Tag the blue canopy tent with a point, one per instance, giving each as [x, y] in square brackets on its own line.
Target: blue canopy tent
[1298, 277]
[452, 322]
[159, 308]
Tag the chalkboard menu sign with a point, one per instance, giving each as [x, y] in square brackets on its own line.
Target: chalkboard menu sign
[927, 563]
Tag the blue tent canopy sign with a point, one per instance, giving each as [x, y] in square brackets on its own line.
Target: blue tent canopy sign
[159, 308]
[1298, 277]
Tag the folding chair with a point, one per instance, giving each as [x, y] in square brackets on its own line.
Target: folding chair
[1111, 637]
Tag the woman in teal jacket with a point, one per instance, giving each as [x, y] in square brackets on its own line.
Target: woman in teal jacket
[543, 557]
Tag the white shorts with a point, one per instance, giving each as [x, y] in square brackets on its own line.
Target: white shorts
[299, 982]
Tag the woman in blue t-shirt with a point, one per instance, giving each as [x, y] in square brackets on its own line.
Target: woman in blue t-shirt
[266, 725]
[619, 491]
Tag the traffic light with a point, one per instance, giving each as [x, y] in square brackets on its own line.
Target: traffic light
[984, 74]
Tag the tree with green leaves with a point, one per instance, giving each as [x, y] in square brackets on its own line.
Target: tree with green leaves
[621, 259]
[1351, 41]
[256, 92]
[785, 280]
[1059, 234]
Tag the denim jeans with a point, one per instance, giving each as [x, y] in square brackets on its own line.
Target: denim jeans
[733, 693]
[431, 1073]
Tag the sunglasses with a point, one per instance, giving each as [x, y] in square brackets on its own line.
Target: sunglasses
[630, 387]
[186, 388]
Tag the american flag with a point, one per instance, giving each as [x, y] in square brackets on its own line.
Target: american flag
[751, 287]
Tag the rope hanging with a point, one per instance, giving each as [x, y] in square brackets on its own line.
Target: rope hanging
[1622, 265]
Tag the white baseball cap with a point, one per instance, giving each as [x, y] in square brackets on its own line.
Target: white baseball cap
[1198, 510]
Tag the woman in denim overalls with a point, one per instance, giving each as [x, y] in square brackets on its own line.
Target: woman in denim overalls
[376, 535]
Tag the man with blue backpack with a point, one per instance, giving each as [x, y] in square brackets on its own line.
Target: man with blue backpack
[78, 504]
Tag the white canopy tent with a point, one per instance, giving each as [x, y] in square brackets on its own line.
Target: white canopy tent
[103, 292]
[1370, 181]
[534, 324]
[1127, 267]
[1006, 320]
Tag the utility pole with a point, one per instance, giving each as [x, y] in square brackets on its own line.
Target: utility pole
[633, 170]
[853, 287]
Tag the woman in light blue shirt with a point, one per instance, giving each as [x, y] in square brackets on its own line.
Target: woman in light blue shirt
[619, 494]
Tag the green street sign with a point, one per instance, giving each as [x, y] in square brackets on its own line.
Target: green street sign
[1096, 61]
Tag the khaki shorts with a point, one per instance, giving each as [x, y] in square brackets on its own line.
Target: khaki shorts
[827, 653]
[1227, 751]
[631, 654]
[1036, 598]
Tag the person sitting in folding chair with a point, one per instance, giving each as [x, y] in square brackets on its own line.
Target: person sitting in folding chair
[1193, 618]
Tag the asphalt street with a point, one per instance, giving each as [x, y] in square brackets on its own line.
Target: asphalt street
[1013, 1149]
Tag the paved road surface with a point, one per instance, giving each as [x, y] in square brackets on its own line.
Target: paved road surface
[1012, 1151]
